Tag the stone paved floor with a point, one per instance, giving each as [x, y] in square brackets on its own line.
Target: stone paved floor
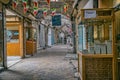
[47, 64]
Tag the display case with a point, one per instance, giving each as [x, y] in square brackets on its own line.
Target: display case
[31, 46]
[96, 44]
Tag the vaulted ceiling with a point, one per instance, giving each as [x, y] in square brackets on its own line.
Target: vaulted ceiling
[58, 5]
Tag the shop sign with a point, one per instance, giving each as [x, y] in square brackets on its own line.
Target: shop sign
[90, 14]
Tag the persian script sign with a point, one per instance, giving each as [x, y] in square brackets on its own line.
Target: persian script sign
[90, 14]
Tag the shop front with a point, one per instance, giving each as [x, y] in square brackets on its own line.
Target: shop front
[14, 32]
[96, 44]
[17, 39]
[30, 38]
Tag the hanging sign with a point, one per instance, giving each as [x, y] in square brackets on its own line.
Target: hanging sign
[90, 14]
[56, 20]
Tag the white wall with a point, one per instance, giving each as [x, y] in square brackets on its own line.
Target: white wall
[38, 37]
[89, 4]
[49, 37]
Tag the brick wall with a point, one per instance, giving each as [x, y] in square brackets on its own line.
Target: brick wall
[98, 69]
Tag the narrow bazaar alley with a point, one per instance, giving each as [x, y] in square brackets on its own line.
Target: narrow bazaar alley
[59, 39]
[49, 64]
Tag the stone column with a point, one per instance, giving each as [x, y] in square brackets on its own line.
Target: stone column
[3, 55]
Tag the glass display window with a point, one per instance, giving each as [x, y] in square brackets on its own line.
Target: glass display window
[95, 31]
[95, 38]
[12, 34]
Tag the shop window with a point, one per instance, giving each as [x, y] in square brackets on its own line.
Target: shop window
[12, 34]
[95, 39]
[95, 31]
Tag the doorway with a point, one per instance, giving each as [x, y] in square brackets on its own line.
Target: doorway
[14, 38]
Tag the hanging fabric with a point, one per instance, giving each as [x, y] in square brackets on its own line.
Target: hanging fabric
[14, 3]
[48, 1]
[35, 7]
[45, 12]
[53, 12]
